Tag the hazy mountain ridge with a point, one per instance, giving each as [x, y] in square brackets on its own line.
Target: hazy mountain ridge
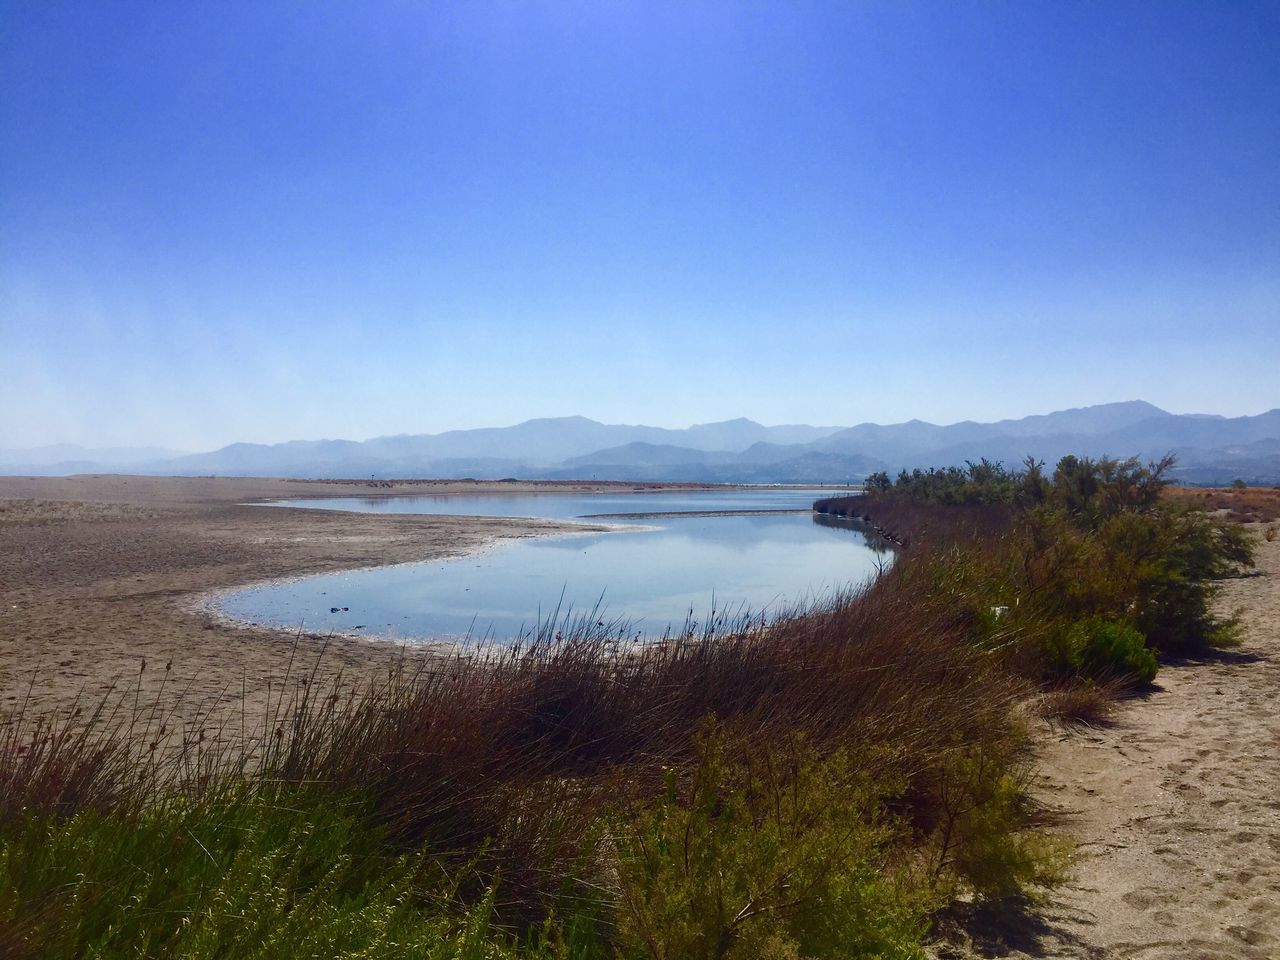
[63, 453]
[1210, 449]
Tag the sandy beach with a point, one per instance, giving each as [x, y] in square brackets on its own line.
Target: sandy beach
[99, 574]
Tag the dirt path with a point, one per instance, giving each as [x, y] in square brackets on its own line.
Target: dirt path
[1177, 809]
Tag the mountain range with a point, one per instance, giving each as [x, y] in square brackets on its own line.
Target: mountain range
[1210, 449]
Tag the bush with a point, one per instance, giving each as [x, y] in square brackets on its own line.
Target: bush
[981, 842]
[763, 854]
[1099, 538]
[246, 877]
[1102, 650]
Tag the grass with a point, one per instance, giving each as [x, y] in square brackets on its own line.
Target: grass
[1083, 703]
[1242, 504]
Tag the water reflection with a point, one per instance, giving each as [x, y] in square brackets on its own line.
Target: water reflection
[874, 542]
[680, 567]
[569, 506]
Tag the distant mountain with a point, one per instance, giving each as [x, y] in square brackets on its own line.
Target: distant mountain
[1210, 449]
[1195, 440]
[917, 442]
[1102, 418]
[651, 454]
[741, 433]
[526, 448]
[60, 459]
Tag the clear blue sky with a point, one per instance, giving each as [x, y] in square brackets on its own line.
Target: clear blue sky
[262, 221]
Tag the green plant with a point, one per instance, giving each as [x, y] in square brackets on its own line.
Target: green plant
[278, 875]
[758, 853]
[1101, 649]
[983, 840]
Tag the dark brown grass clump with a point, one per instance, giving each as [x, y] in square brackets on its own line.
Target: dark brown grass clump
[907, 521]
[1082, 703]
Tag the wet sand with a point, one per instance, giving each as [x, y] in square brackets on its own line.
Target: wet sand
[99, 574]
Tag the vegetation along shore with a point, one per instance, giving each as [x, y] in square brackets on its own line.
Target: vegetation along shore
[880, 776]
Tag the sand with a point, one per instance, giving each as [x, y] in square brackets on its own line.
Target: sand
[1176, 806]
[99, 574]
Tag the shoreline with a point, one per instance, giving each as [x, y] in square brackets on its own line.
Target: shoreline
[205, 602]
[101, 579]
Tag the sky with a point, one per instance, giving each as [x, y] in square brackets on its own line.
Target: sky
[262, 221]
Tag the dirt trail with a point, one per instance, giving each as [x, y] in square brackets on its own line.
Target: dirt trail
[1176, 808]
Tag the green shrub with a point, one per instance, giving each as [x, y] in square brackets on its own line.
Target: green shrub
[761, 854]
[1100, 649]
[248, 877]
[982, 840]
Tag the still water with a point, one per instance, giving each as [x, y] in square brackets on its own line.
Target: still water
[673, 568]
[572, 506]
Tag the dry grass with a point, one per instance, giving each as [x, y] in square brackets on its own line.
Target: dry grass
[1084, 704]
[1246, 505]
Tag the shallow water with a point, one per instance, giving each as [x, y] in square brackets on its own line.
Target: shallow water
[570, 506]
[675, 568]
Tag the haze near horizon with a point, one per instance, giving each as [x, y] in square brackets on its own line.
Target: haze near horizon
[247, 222]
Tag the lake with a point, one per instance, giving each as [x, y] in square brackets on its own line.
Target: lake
[680, 565]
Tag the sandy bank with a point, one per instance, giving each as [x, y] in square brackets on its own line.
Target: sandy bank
[99, 573]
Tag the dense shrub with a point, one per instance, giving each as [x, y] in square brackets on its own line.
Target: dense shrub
[981, 482]
[764, 854]
[1100, 649]
[980, 842]
[262, 876]
[1098, 538]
